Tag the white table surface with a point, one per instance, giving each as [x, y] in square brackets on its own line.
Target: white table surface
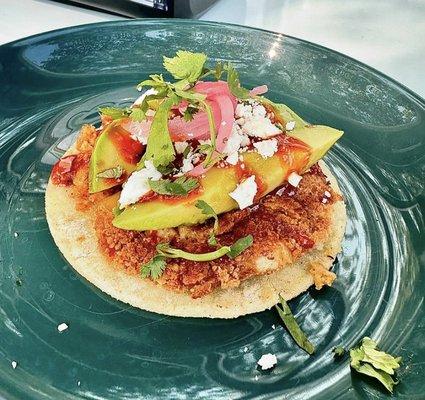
[388, 35]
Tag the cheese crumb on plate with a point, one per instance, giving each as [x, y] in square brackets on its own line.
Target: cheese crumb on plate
[267, 361]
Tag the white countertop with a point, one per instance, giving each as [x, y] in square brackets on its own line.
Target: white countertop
[388, 35]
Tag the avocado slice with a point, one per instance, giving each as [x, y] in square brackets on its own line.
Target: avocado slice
[219, 182]
[114, 148]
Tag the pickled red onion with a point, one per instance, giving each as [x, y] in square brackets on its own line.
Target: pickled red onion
[258, 90]
[227, 117]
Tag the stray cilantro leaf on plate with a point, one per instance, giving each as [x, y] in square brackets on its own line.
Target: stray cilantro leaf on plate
[240, 246]
[154, 268]
[111, 173]
[185, 65]
[179, 187]
[338, 351]
[367, 360]
[292, 326]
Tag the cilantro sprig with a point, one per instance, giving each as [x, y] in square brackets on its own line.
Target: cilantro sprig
[111, 173]
[209, 212]
[179, 187]
[368, 360]
[292, 326]
[156, 266]
[186, 65]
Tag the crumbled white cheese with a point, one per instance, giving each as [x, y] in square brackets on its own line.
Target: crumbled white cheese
[233, 158]
[290, 126]
[180, 147]
[294, 179]
[256, 377]
[78, 383]
[267, 361]
[324, 200]
[148, 92]
[16, 234]
[62, 327]
[253, 120]
[245, 192]
[137, 184]
[266, 148]
[327, 194]
[138, 130]
[245, 349]
[187, 165]
[14, 364]
[273, 327]
[236, 141]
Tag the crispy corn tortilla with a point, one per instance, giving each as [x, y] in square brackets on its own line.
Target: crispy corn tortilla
[75, 236]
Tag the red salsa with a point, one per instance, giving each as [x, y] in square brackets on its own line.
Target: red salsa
[64, 170]
[129, 149]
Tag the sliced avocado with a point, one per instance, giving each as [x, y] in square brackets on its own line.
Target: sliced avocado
[319, 137]
[219, 182]
[114, 148]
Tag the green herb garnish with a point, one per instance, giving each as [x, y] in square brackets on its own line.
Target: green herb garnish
[115, 112]
[185, 65]
[338, 351]
[235, 85]
[111, 173]
[209, 212]
[160, 148]
[154, 268]
[165, 250]
[240, 246]
[135, 113]
[189, 113]
[179, 187]
[367, 360]
[292, 326]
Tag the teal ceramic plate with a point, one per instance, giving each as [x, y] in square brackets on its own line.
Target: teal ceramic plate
[52, 83]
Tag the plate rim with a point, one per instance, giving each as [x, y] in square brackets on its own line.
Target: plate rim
[29, 40]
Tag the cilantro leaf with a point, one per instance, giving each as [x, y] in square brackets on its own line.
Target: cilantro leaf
[189, 113]
[160, 148]
[235, 85]
[367, 360]
[240, 246]
[137, 114]
[179, 187]
[292, 326]
[383, 377]
[212, 240]
[185, 65]
[209, 212]
[111, 173]
[186, 151]
[154, 268]
[338, 351]
[116, 211]
[115, 112]
[155, 81]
